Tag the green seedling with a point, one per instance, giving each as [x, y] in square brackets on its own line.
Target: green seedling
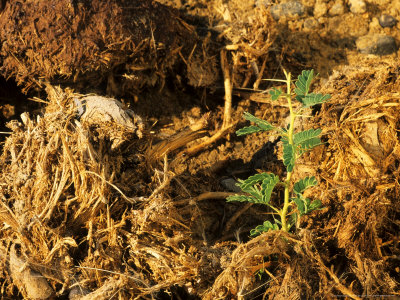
[258, 188]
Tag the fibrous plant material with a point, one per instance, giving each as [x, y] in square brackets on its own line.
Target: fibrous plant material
[259, 187]
[74, 206]
[248, 41]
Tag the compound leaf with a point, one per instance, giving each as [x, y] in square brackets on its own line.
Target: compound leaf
[240, 198]
[275, 93]
[313, 99]
[252, 180]
[248, 130]
[303, 136]
[303, 184]
[304, 205]
[303, 83]
[266, 226]
[289, 155]
[264, 125]
[307, 139]
[253, 190]
[315, 205]
[267, 187]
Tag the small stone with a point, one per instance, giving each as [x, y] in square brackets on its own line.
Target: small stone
[320, 9]
[311, 23]
[387, 21]
[230, 185]
[337, 8]
[288, 9]
[262, 3]
[374, 26]
[77, 292]
[378, 44]
[358, 6]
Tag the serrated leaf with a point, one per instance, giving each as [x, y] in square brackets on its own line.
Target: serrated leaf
[267, 187]
[313, 99]
[289, 155]
[264, 125]
[275, 93]
[265, 227]
[303, 82]
[248, 130]
[303, 184]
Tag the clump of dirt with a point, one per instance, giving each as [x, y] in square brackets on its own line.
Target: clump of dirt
[125, 45]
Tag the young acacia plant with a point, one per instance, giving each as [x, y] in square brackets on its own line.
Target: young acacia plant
[258, 188]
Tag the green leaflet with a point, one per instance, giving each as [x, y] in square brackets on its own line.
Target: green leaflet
[249, 185]
[313, 99]
[264, 125]
[251, 189]
[304, 205]
[261, 125]
[239, 198]
[248, 130]
[289, 155]
[303, 82]
[275, 93]
[303, 136]
[267, 187]
[316, 204]
[307, 140]
[302, 89]
[266, 226]
[252, 180]
[303, 184]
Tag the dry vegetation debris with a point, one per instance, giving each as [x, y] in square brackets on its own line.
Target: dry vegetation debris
[66, 206]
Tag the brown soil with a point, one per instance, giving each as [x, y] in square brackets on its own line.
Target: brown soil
[109, 203]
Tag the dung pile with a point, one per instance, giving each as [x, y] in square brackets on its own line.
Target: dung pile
[124, 45]
[79, 211]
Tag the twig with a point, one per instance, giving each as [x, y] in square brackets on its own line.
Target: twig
[220, 133]
[129, 199]
[115, 273]
[166, 179]
[228, 89]
[260, 75]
